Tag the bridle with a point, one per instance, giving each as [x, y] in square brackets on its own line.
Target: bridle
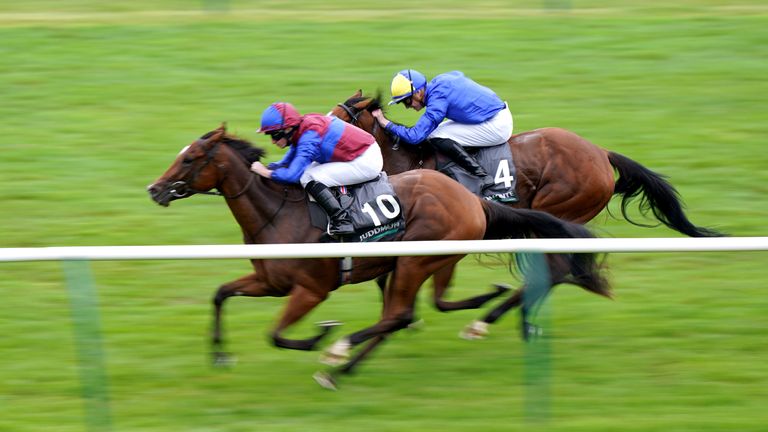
[354, 113]
[181, 189]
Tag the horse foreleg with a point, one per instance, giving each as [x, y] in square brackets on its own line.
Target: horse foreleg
[442, 280]
[251, 286]
[363, 353]
[328, 379]
[398, 313]
[300, 303]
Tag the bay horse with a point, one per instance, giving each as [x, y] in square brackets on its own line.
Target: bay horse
[558, 172]
[435, 208]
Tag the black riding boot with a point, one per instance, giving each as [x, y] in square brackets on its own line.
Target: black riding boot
[456, 152]
[341, 224]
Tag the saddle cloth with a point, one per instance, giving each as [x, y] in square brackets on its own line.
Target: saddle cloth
[497, 161]
[374, 208]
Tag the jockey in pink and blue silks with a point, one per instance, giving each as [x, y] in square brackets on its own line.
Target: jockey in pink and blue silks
[324, 152]
[459, 113]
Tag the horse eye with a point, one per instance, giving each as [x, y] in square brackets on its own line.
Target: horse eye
[187, 160]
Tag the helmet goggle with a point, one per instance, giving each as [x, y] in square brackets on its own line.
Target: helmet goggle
[278, 134]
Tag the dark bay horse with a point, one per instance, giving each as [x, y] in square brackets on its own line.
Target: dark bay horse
[435, 208]
[558, 172]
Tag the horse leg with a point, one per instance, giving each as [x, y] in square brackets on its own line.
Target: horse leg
[400, 297]
[442, 279]
[328, 379]
[478, 329]
[250, 286]
[301, 302]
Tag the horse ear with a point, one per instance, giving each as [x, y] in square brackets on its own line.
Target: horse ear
[217, 135]
[375, 101]
[358, 93]
[223, 127]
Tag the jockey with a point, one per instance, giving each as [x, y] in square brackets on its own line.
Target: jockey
[324, 152]
[476, 116]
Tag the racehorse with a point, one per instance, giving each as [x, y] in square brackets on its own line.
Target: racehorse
[435, 208]
[558, 172]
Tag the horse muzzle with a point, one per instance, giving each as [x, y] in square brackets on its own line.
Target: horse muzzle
[163, 193]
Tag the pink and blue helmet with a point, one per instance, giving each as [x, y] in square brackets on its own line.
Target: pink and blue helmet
[278, 116]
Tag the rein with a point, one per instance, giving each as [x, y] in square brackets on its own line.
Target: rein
[356, 121]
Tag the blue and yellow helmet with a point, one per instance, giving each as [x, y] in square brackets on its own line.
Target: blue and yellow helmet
[405, 84]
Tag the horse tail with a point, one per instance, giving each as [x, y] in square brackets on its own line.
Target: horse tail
[582, 269]
[656, 194]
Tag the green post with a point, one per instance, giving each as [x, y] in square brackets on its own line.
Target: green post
[537, 352]
[87, 336]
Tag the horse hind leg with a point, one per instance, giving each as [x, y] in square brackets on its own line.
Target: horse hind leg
[442, 280]
[479, 329]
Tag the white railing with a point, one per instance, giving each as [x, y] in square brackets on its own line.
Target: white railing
[445, 247]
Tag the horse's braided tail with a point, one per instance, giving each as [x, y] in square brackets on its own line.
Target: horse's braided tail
[656, 194]
[585, 269]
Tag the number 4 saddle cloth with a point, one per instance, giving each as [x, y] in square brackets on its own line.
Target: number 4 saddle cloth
[374, 208]
[497, 162]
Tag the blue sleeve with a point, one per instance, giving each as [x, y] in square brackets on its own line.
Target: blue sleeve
[285, 161]
[435, 113]
[307, 151]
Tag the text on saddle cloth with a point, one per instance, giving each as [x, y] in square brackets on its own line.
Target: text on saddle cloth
[374, 208]
[497, 162]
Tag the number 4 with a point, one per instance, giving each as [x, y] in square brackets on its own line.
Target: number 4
[503, 174]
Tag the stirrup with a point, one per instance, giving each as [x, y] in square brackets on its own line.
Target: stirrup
[342, 229]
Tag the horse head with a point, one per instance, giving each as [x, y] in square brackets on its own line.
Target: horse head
[203, 165]
[398, 157]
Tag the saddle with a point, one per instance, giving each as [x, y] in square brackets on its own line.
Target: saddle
[497, 161]
[374, 208]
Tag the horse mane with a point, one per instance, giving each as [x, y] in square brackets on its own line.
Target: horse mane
[374, 104]
[244, 147]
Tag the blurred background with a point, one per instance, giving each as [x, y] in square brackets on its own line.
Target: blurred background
[99, 97]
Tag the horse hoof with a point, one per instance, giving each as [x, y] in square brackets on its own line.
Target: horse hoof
[325, 380]
[475, 331]
[333, 360]
[502, 288]
[417, 325]
[329, 323]
[337, 354]
[223, 360]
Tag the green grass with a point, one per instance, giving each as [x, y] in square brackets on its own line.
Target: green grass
[98, 97]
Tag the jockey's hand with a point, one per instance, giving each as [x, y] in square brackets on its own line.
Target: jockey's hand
[379, 115]
[261, 170]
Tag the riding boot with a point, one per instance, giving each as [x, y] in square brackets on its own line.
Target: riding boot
[341, 223]
[456, 152]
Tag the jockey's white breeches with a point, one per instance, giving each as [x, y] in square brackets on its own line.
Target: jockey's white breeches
[365, 167]
[491, 132]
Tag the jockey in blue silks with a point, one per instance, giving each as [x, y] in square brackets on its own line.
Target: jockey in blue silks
[324, 152]
[459, 113]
